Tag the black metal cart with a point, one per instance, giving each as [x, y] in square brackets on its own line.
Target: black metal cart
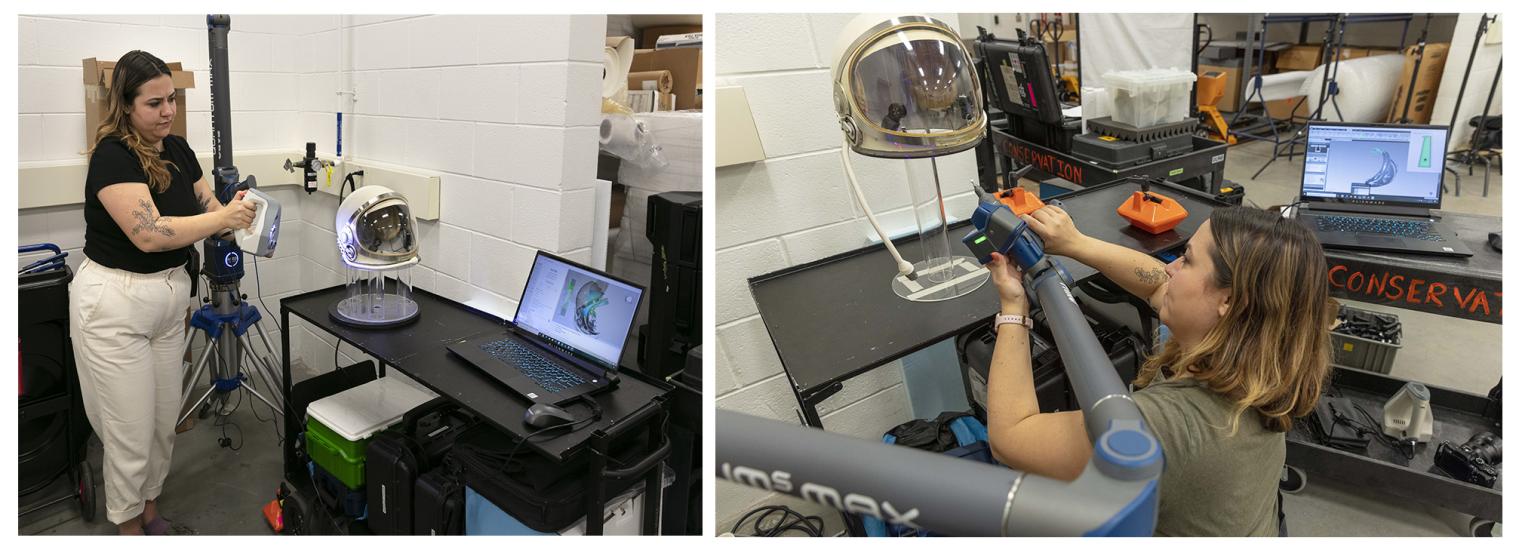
[1458, 415]
[54, 431]
[419, 350]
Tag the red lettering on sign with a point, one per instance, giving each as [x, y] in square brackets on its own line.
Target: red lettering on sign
[1396, 282]
[1481, 301]
[1337, 269]
[1049, 163]
[1464, 302]
[1376, 285]
[1435, 291]
[1351, 283]
[1413, 291]
[1386, 287]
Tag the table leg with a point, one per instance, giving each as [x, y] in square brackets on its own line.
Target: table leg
[653, 483]
[291, 469]
[682, 447]
[808, 404]
[595, 499]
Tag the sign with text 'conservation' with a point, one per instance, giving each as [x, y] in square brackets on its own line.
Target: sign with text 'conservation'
[1417, 289]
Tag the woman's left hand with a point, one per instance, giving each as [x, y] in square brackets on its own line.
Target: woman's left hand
[1009, 280]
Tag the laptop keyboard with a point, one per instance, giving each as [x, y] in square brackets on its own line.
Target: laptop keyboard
[1378, 226]
[553, 378]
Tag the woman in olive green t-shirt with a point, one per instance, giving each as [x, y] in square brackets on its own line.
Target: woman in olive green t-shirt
[1248, 309]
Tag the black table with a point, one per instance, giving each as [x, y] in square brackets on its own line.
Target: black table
[1468, 288]
[837, 318]
[418, 350]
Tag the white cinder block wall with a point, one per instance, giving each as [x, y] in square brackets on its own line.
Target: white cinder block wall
[503, 108]
[263, 62]
[795, 207]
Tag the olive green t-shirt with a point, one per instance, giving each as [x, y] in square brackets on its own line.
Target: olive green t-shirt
[1214, 484]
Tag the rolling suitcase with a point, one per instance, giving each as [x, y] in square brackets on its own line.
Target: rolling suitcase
[397, 458]
[439, 505]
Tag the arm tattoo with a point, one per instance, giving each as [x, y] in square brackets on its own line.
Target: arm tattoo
[205, 204]
[1153, 276]
[145, 220]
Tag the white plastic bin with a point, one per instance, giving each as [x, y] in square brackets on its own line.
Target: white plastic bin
[1151, 97]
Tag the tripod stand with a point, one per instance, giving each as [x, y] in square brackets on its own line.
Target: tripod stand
[226, 317]
[229, 321]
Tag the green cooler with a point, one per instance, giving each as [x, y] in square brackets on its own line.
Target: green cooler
[338, 426]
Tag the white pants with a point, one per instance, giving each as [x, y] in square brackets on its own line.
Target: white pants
[129, 336]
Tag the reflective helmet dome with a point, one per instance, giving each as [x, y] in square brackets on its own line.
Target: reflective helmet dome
[375, 230]
[904, 87]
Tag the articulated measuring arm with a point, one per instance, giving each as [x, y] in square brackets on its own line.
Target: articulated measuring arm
[1117, 494]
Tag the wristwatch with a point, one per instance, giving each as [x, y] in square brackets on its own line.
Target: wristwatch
[1023, 320]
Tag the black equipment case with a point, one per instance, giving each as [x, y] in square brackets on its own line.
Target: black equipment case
[439, 505]
[397, 458]
[974, 349]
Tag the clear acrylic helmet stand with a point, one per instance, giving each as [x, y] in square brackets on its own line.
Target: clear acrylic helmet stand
[376, 298]
[939, 273]
[377, 243]
[904, 88]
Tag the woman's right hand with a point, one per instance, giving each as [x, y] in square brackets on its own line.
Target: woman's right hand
[238, 214]
[1054, 225]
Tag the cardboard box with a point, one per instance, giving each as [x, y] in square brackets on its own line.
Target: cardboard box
[652, 34]
[684, 64]
[97, 86]
[1301, 57]
[1304, 57]
[1230, 102]
[1421, 107]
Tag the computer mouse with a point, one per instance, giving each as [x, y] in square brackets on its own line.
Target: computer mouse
[1495, 240]
[542, 415]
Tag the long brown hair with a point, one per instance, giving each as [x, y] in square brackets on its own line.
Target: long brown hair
[134, 69]
[1270, 351]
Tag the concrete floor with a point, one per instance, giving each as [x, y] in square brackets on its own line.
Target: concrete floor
[210, 490]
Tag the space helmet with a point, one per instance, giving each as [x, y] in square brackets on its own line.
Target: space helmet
[904, 87]
[375, 230]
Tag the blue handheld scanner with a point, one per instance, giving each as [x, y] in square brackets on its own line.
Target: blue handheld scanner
[999, 230]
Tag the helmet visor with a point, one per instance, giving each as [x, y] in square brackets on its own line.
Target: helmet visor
[915, 81]
[386, 231]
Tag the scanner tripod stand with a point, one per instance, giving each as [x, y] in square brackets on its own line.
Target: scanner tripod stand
[226, 317]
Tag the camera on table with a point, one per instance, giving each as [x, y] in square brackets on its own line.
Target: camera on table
[1475, 461]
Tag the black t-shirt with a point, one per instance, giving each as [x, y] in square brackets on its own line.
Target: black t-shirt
[112, 163]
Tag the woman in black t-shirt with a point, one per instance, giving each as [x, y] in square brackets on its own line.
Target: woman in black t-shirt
[146, 203]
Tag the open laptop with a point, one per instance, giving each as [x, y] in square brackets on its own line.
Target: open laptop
[1372, 186]
[567, 337]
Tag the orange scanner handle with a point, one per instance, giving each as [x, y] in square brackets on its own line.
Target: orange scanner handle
[1020, 201]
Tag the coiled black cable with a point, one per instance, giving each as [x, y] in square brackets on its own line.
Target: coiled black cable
[788, 520]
